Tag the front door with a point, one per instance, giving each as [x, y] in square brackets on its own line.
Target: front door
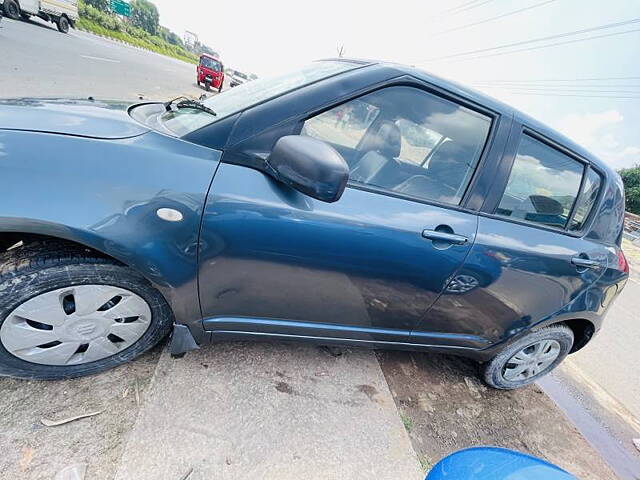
[368, 266]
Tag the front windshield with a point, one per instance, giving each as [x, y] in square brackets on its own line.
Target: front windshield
[240, 98]
[210, 63]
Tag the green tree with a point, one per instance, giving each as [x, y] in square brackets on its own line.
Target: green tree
[631, 180]
[144, 15]
[169, 36]
[103, 5]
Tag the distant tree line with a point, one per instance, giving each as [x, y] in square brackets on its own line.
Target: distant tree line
[144, 15]
[631, 180]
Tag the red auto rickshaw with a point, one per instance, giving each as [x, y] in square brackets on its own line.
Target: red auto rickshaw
[210, 72]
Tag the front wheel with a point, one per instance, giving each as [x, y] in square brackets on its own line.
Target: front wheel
[529, 358]
[67, 313]
[11, 9]
[63, 24]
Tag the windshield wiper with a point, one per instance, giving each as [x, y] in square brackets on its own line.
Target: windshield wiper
[188, 103]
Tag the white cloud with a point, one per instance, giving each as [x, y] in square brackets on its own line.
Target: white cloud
[598, 133]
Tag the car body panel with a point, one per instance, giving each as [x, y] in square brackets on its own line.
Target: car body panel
[85, 118]
[360, 263]
[525, 276]
[105, 193]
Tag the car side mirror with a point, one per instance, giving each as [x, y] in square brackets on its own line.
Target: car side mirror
[310, 166]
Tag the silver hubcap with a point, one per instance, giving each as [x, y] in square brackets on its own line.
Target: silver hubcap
[532, 360]
[75, 325]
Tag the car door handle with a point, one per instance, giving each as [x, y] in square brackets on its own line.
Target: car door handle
[585, 262]
[438, 236]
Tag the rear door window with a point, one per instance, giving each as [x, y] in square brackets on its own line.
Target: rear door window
[543, 185]
[587, 200]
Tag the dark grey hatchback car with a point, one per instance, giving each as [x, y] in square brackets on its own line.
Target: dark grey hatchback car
[350, 202]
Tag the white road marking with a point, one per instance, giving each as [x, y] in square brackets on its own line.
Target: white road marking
[100, 58]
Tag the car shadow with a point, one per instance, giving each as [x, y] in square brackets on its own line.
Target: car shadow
[34, 22]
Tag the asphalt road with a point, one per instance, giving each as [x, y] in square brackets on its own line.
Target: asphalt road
[37, 60]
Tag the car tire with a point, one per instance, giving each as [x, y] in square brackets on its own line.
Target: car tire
[220, 88]
[501, 372]
[11, 9]
[36, 273]
[63, 24]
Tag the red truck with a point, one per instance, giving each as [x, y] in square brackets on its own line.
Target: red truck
[210, 72]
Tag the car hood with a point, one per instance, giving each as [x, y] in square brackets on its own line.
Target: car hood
[82, 118]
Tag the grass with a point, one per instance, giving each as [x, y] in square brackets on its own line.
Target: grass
[425, 464]
[157, 45]
[407, 422]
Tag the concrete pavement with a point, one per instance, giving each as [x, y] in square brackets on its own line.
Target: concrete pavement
[612, 360]
[269, 411]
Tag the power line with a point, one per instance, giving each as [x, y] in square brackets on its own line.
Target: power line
[554, 87]
[471, 7]
[566, 42]
[534, 40]
[572, 90]
[459, 6]
[495, 18]
[589, 79]
[571, 95]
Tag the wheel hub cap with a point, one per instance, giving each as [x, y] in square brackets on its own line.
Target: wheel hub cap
[531, 361]
[75, 325]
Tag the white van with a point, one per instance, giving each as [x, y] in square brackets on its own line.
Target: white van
[63, 13]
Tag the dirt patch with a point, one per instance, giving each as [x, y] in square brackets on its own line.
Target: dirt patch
[284, 387]
[32, 451]
[445, 407]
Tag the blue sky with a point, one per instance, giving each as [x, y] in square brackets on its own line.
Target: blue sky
[275, 36]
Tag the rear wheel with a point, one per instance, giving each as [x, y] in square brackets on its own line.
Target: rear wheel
[531, 357]
[68, 313]
[63, 24]
[11, 9]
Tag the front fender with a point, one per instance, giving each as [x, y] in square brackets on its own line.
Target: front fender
[105, 194]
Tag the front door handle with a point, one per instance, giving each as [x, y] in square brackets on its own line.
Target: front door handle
[438, 236]
[585, 262]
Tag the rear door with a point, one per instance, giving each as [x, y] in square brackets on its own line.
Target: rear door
[529, 259]
[366, 267]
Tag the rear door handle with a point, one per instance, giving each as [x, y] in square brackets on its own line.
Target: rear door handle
[585, 262]
[438, 236]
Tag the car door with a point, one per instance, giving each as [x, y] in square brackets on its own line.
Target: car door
[530, 259]
[367, 267]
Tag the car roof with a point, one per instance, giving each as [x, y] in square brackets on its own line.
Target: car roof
[492, 104]
[210, 56]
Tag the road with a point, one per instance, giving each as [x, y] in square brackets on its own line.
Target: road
[438, 399]
[37, 60]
